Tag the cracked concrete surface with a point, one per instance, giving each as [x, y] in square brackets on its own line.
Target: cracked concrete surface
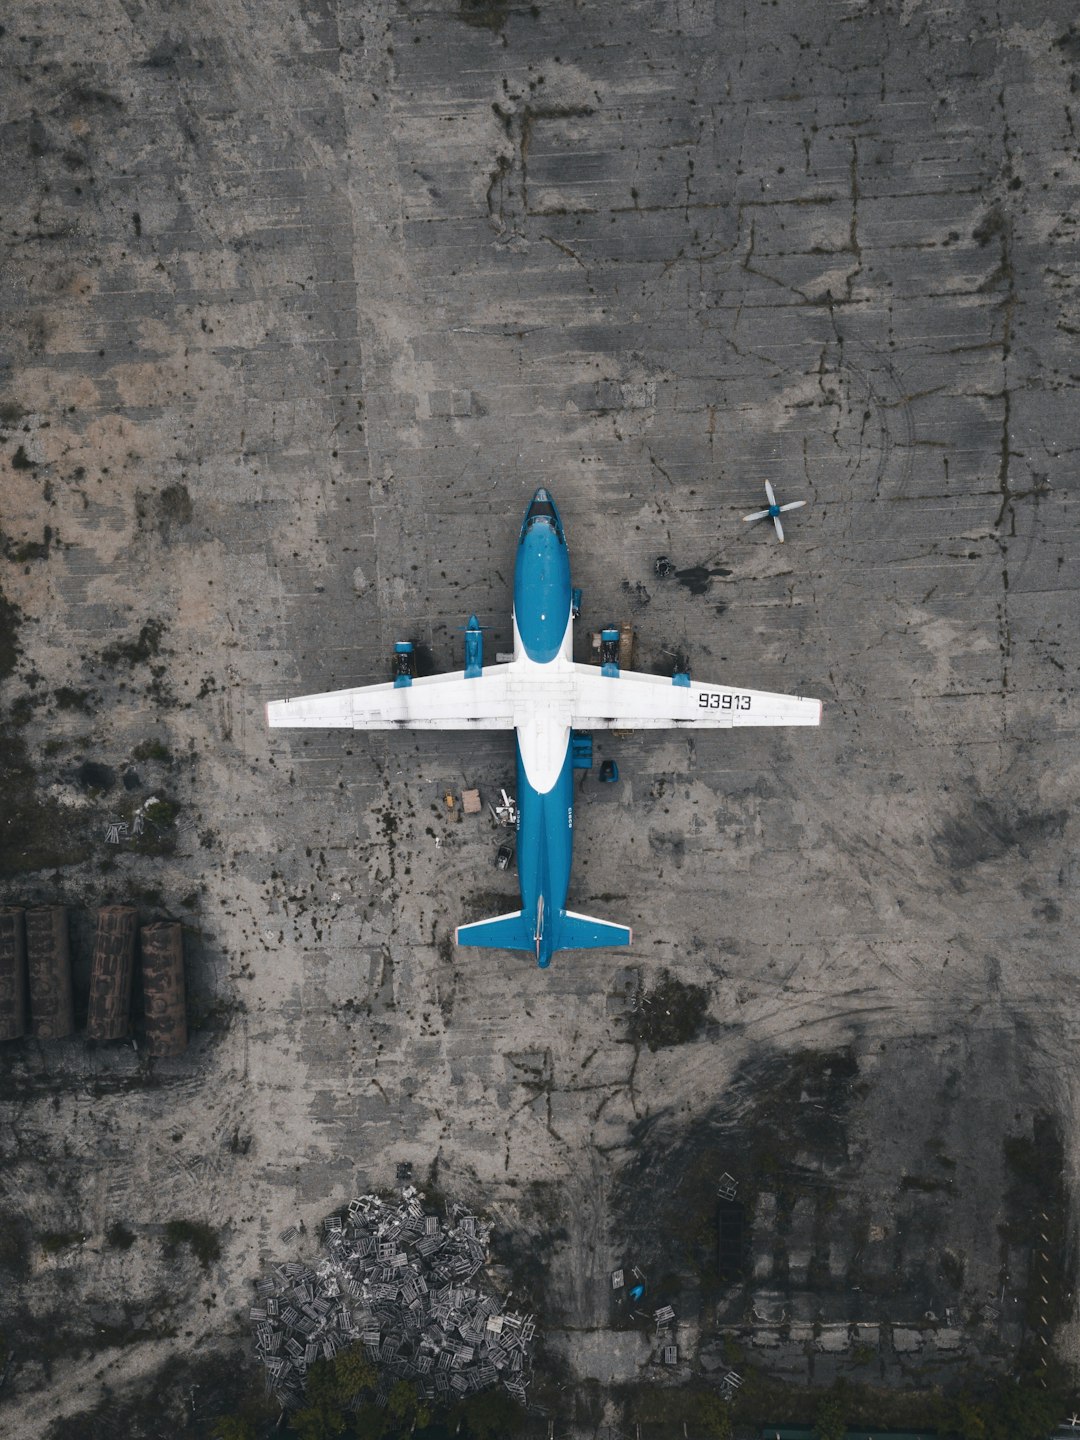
[301, 305]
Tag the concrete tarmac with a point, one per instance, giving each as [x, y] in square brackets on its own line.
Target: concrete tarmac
[301, 303]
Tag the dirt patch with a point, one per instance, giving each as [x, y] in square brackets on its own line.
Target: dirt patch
[671, 1013]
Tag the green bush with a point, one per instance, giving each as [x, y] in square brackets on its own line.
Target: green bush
[830, 1421]
[714, 1416]
[232, 1427]
[152, 750]
[322, 1421]
[52, 1241]
[1017, 1409]
[353, 1373]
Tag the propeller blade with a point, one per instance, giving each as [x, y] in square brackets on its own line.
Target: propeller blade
[757, 515]
[769, 493]
[779, 528]
[792, 505]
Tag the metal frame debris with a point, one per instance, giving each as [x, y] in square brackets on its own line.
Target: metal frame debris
[727, 1187]
[396, 1278]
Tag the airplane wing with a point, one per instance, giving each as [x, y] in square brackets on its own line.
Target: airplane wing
[633, 701]
[431, 702]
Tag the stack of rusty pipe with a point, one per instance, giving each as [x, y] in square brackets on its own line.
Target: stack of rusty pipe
[108, 1017]
[35, 964]
[48, 959]
[12, 974]
[163, 988]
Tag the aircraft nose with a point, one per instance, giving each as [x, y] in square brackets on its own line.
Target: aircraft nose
[542, 507]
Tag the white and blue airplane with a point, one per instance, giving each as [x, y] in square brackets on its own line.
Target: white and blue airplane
[543, 695]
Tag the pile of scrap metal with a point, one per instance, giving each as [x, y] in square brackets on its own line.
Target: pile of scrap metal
[507, 812]
[397, 1279]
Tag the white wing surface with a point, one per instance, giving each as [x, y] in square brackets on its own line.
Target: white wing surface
[634, 701]
[431, 702]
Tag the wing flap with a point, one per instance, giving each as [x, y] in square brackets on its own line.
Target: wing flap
[432, 702]
[635, 701]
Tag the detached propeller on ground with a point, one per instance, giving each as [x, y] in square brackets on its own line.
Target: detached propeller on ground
[774, 512]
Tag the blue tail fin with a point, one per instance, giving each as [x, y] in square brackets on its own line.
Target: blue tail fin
[501, 932]
[582, 932]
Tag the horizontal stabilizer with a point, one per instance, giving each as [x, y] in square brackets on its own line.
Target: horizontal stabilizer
[582, 932]
[501, 932]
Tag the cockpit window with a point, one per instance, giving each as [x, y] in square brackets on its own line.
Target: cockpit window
[541, 507]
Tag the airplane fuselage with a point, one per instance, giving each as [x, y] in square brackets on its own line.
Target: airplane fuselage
[544, 639]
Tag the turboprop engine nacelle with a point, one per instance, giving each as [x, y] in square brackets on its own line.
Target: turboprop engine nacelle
[474, 649]
[404, 663]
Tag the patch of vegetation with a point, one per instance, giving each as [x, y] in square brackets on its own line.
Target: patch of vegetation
[671, 1013]
[144, 647]
[831, 1415]
[119, 1237]
[95, 778]
[11, 412]
[201, 1239]
[1025, 1407]
[162, 812]
[15, 1239]
[488, 1415]
[677, 1409]
[22, 551]
[10, 650]
[485, 14]
[234, 1427]
[22, 709]
[159, 834]
[332, 1386]
[988, 1408]
[53, 1241]
[67, 698]
[21, 461]
[152, 750]
[35, 833]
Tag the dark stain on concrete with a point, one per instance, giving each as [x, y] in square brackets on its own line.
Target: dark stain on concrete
[987, 831]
